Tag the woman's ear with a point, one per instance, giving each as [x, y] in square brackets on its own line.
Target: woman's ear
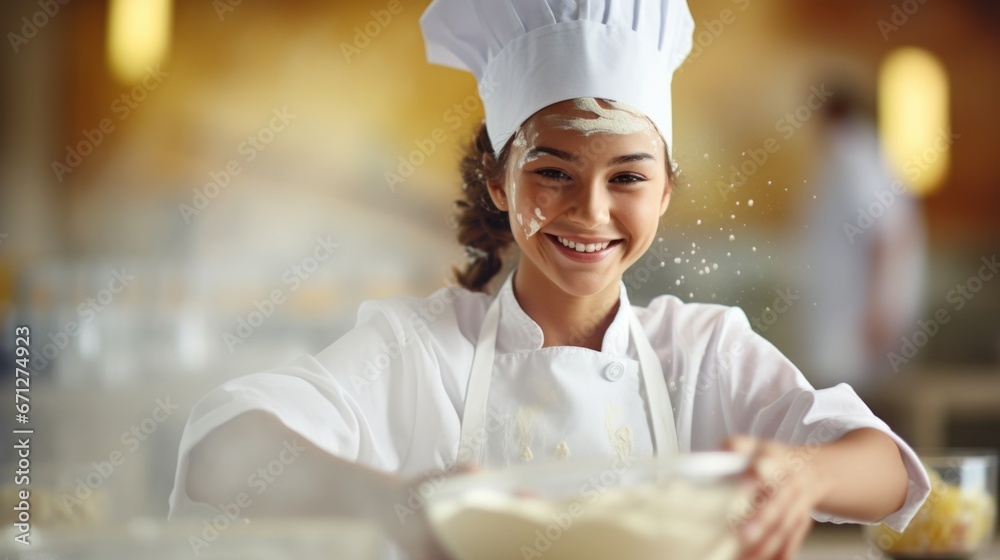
[665, 201]
[669, 187]
[495, 188]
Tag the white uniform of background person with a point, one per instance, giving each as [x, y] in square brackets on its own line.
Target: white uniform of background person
[870, 273]
[399, 392]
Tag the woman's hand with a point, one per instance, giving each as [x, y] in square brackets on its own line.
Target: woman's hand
[782, 492]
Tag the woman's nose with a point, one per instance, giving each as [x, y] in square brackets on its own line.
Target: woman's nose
[590, 206]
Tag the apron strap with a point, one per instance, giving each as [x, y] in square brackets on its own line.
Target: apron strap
[473, 427]
[658, 399]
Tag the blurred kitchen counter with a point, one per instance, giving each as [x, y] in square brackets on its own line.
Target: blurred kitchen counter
[317, 539]
[156, 539]
[846, 542]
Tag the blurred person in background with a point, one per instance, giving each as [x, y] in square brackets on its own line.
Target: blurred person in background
[864, 250]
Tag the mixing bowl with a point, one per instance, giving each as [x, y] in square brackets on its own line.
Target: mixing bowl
[681, 507]
[957, 518]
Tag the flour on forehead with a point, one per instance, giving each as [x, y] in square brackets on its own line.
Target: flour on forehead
[622, 118]
[519, 140]
[523, 144]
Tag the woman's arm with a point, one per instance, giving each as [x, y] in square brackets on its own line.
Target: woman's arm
[858, 476]
[255, 457]
[862, 475]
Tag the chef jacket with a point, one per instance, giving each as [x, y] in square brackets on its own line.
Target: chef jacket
[389, 394]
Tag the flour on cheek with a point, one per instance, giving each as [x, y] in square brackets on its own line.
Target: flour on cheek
[525, 210]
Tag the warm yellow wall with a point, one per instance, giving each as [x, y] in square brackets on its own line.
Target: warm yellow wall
[360, 115]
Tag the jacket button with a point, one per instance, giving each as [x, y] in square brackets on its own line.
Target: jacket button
[614, 371]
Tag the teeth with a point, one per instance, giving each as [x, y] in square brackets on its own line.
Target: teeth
[584, 248]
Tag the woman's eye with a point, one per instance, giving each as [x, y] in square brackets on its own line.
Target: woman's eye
[557, 175]
[553, 174]
[628, 178]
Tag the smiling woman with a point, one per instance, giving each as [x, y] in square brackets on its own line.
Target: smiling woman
[572, 169]
[543, 179]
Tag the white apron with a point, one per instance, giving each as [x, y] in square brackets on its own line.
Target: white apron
[557, 402]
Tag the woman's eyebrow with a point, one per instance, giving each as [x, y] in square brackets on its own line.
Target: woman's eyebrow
[628, 158]
[539, 150]
[573, 158]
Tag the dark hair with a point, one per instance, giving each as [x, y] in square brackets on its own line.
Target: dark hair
[483, 229]
[847, 101]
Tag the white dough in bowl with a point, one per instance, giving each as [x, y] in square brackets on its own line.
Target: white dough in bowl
[678, 519]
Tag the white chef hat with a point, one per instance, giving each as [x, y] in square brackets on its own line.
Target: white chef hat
[528, 54]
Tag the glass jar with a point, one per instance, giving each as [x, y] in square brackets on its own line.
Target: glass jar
[957, 519]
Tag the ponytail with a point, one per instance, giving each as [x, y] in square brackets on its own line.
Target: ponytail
[483, 228]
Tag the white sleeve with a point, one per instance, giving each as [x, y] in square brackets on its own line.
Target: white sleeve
[356, 399]
[764, 395]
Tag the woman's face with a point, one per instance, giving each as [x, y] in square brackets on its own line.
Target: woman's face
[585, 186]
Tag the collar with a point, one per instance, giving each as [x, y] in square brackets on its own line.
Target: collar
[518, 332]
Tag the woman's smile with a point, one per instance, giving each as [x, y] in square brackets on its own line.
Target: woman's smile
[583, 250]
